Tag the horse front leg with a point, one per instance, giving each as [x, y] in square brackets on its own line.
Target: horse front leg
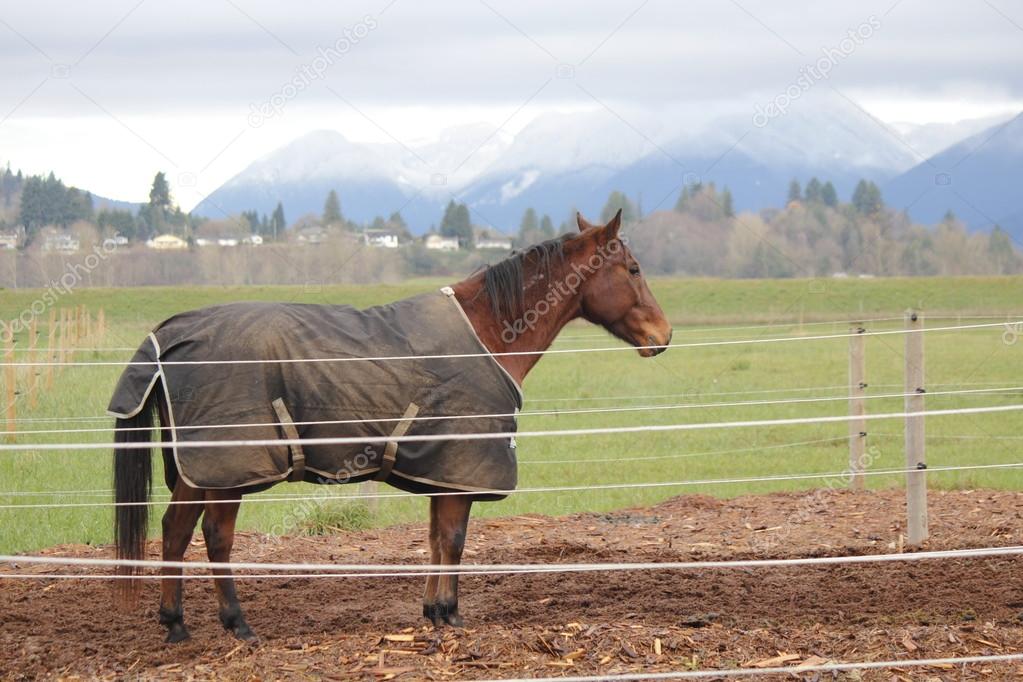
[178, 525]
[449, 517]
[218, 530]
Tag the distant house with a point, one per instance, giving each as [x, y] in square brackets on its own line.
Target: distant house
[253, 240]
[311, 235]
[227, 241]
[61, 242]
[8, 242]
[491, 242]
[167, 242]
[381, 238]
[438, 242]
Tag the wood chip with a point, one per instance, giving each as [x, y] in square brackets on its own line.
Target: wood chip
[780, 659]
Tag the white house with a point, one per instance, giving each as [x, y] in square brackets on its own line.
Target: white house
[382, 238]
[253, 240]
[167, 242]
[489, 242]
[438, 242]
[61, 242]
[227, 241]
[311, 235]
[8, 242]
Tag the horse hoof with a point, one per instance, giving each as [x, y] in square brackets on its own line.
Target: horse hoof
[441, 614]
[177, 633]
[245, 634]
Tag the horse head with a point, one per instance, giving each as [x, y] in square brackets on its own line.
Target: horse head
[613, 292]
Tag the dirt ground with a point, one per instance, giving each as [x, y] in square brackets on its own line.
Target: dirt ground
[549, 625]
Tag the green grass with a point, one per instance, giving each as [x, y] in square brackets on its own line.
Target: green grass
[698, 375]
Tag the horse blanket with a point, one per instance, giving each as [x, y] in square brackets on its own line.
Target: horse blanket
[319, 372]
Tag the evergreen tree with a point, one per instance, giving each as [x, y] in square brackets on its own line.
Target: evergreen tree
[457, 223]
[398, 221]
[547, 227]
[332, 210]
[813, 191]
[114, 222]
[529, 224]
[277, 222]
[795, 194]
[618, 200]
[159, 194]
[683, 200]
[726, 203]
[866, 198]
[828, 194]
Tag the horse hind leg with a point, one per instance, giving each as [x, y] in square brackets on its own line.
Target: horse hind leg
[449, 518]
[178, 525]
[218, 530]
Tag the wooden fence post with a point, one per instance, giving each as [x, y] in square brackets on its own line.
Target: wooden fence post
[32, 382]
[101, 327]
[916, 455]
[51, 339]
[857, 405]
[10, 386]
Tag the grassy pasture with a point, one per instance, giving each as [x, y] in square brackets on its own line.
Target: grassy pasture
[694, 375]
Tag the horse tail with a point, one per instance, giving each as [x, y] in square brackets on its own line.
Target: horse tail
[133, 485]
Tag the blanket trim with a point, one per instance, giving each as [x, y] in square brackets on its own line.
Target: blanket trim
[450, 293]
[288, 427]
[149, 389]
[390, 455]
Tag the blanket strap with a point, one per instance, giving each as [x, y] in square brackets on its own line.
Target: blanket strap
[391, 449]
[291, 433]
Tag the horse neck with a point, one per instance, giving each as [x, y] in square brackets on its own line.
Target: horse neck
[558, 305]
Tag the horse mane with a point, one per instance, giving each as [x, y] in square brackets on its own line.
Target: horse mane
[504, 282]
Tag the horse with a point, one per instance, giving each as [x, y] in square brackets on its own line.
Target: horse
[515, 309]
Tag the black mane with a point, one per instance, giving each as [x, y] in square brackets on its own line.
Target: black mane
[504, 283]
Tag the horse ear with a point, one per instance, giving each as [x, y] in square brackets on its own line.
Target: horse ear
[582, 222]
[613, 226]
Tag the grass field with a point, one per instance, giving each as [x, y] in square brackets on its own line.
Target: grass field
[696, 375]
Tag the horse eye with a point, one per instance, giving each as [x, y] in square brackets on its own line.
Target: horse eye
[634, 270]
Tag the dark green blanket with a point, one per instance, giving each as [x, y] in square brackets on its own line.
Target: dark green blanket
[266, 397]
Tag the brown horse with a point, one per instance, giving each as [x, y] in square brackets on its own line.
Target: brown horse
[516, 306]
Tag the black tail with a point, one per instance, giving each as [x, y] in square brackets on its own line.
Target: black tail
[133, 483]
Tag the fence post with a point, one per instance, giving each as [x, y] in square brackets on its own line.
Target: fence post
[857, 404]
[32, 378]
[51, 340]
[916, 455]
[10, 386]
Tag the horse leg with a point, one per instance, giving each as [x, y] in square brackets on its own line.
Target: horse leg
[430, 599]
[178, 524]
[218, 530]
[449, 516]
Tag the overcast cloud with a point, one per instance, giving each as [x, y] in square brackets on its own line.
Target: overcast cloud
[108, 92]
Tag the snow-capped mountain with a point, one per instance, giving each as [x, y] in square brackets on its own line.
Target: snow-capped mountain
[562, 161]
[978, 179]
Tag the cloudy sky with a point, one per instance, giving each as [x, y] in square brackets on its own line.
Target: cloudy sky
[108, 92]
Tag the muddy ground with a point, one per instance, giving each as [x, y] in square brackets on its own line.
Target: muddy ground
[547, 625]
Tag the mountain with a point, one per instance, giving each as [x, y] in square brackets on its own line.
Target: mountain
[561, 161]
[978, 179]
